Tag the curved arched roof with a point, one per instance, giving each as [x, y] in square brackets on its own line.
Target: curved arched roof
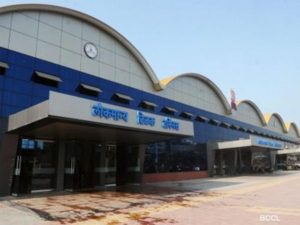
[165, 82]
[268, 117]
[256, 109]
[294, 126]
[91, 20]
[158, 85]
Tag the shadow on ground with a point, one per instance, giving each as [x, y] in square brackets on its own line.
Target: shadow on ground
[118, 205]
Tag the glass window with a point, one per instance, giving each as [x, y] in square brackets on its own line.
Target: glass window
[175, 156]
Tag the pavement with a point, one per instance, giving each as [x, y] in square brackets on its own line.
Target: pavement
[243, 200]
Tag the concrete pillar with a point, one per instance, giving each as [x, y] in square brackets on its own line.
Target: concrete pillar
[210, 159]
[127, 173]
[103, 165]
[235, 163]
[141, 160]
[272, 159]
[122, 164]
[61, 165]
[8, 151]
[222, 170]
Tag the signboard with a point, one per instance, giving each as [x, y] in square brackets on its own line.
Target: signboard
[142, 118]
[72, 107]
[28, 144]
[145, 120]
[107, 113]
[267, 143]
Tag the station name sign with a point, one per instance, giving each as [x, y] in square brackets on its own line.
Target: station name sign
[142, 119]
[269, 143]
[107, 113]
[89, 111]
[170, 124]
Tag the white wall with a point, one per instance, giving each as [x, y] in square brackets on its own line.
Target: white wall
[194, 92]
[246, 113]
[60, 39]
[292, 132]
[275, 125]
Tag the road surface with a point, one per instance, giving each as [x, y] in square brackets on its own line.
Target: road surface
[244, 200]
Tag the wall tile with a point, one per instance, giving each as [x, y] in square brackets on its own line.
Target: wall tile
[24, 24]
[4, 37]
[22, 43]
[52, 19]
[5, 20]
[107, 57]
[91, 34]
[71, 43]
[70, 59]
[89, 66]
[48, 52]
[72, 26]
[49, 34]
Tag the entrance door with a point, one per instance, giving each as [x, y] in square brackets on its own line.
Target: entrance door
[79, 165]
[88, 165]
[35, 169]
[128, 164]
[105, 165]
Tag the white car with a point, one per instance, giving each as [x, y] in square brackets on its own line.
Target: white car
[297, 165]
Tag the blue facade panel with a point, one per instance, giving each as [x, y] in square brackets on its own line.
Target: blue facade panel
[18, 91]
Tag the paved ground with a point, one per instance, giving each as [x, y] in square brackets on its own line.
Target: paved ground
[245, 200]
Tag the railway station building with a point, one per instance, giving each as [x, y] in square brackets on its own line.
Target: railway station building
[80, 108]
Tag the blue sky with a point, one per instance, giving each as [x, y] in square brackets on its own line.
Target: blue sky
[251, 46]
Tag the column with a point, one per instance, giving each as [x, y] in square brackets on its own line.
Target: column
[235, 164]
[222, 170]
[140, 159]
[122, 164]
[103, 167]
[210, 159]
[8, 151]
[272, 159]
[61, 165]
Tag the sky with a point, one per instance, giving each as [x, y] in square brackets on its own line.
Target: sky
[251, 46]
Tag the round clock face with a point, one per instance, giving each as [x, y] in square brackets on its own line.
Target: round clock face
[90, 50]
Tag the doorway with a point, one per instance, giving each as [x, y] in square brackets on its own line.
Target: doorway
[89, 165]
[35, 168]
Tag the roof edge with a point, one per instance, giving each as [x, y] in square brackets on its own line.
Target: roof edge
[165, 82]
[92, 20]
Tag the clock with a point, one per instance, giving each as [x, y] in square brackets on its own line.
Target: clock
[90, 50]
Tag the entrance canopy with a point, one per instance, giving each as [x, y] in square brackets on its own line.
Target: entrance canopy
[65, 116]
[289, 151]
[253, 141]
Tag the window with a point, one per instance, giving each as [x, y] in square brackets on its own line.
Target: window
[223, 124]
[234, 127]
[269, 135]
[214, 122]
[250, 131]
[46, 79]
[174, 156]
[148, 105]
[202, 119]
[169, 110]
[242, 129]
[3, 67]
[88, 90]
[186, 115]
[255, 132]
[125, 99]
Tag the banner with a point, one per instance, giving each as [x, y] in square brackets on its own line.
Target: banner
[232, 99]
